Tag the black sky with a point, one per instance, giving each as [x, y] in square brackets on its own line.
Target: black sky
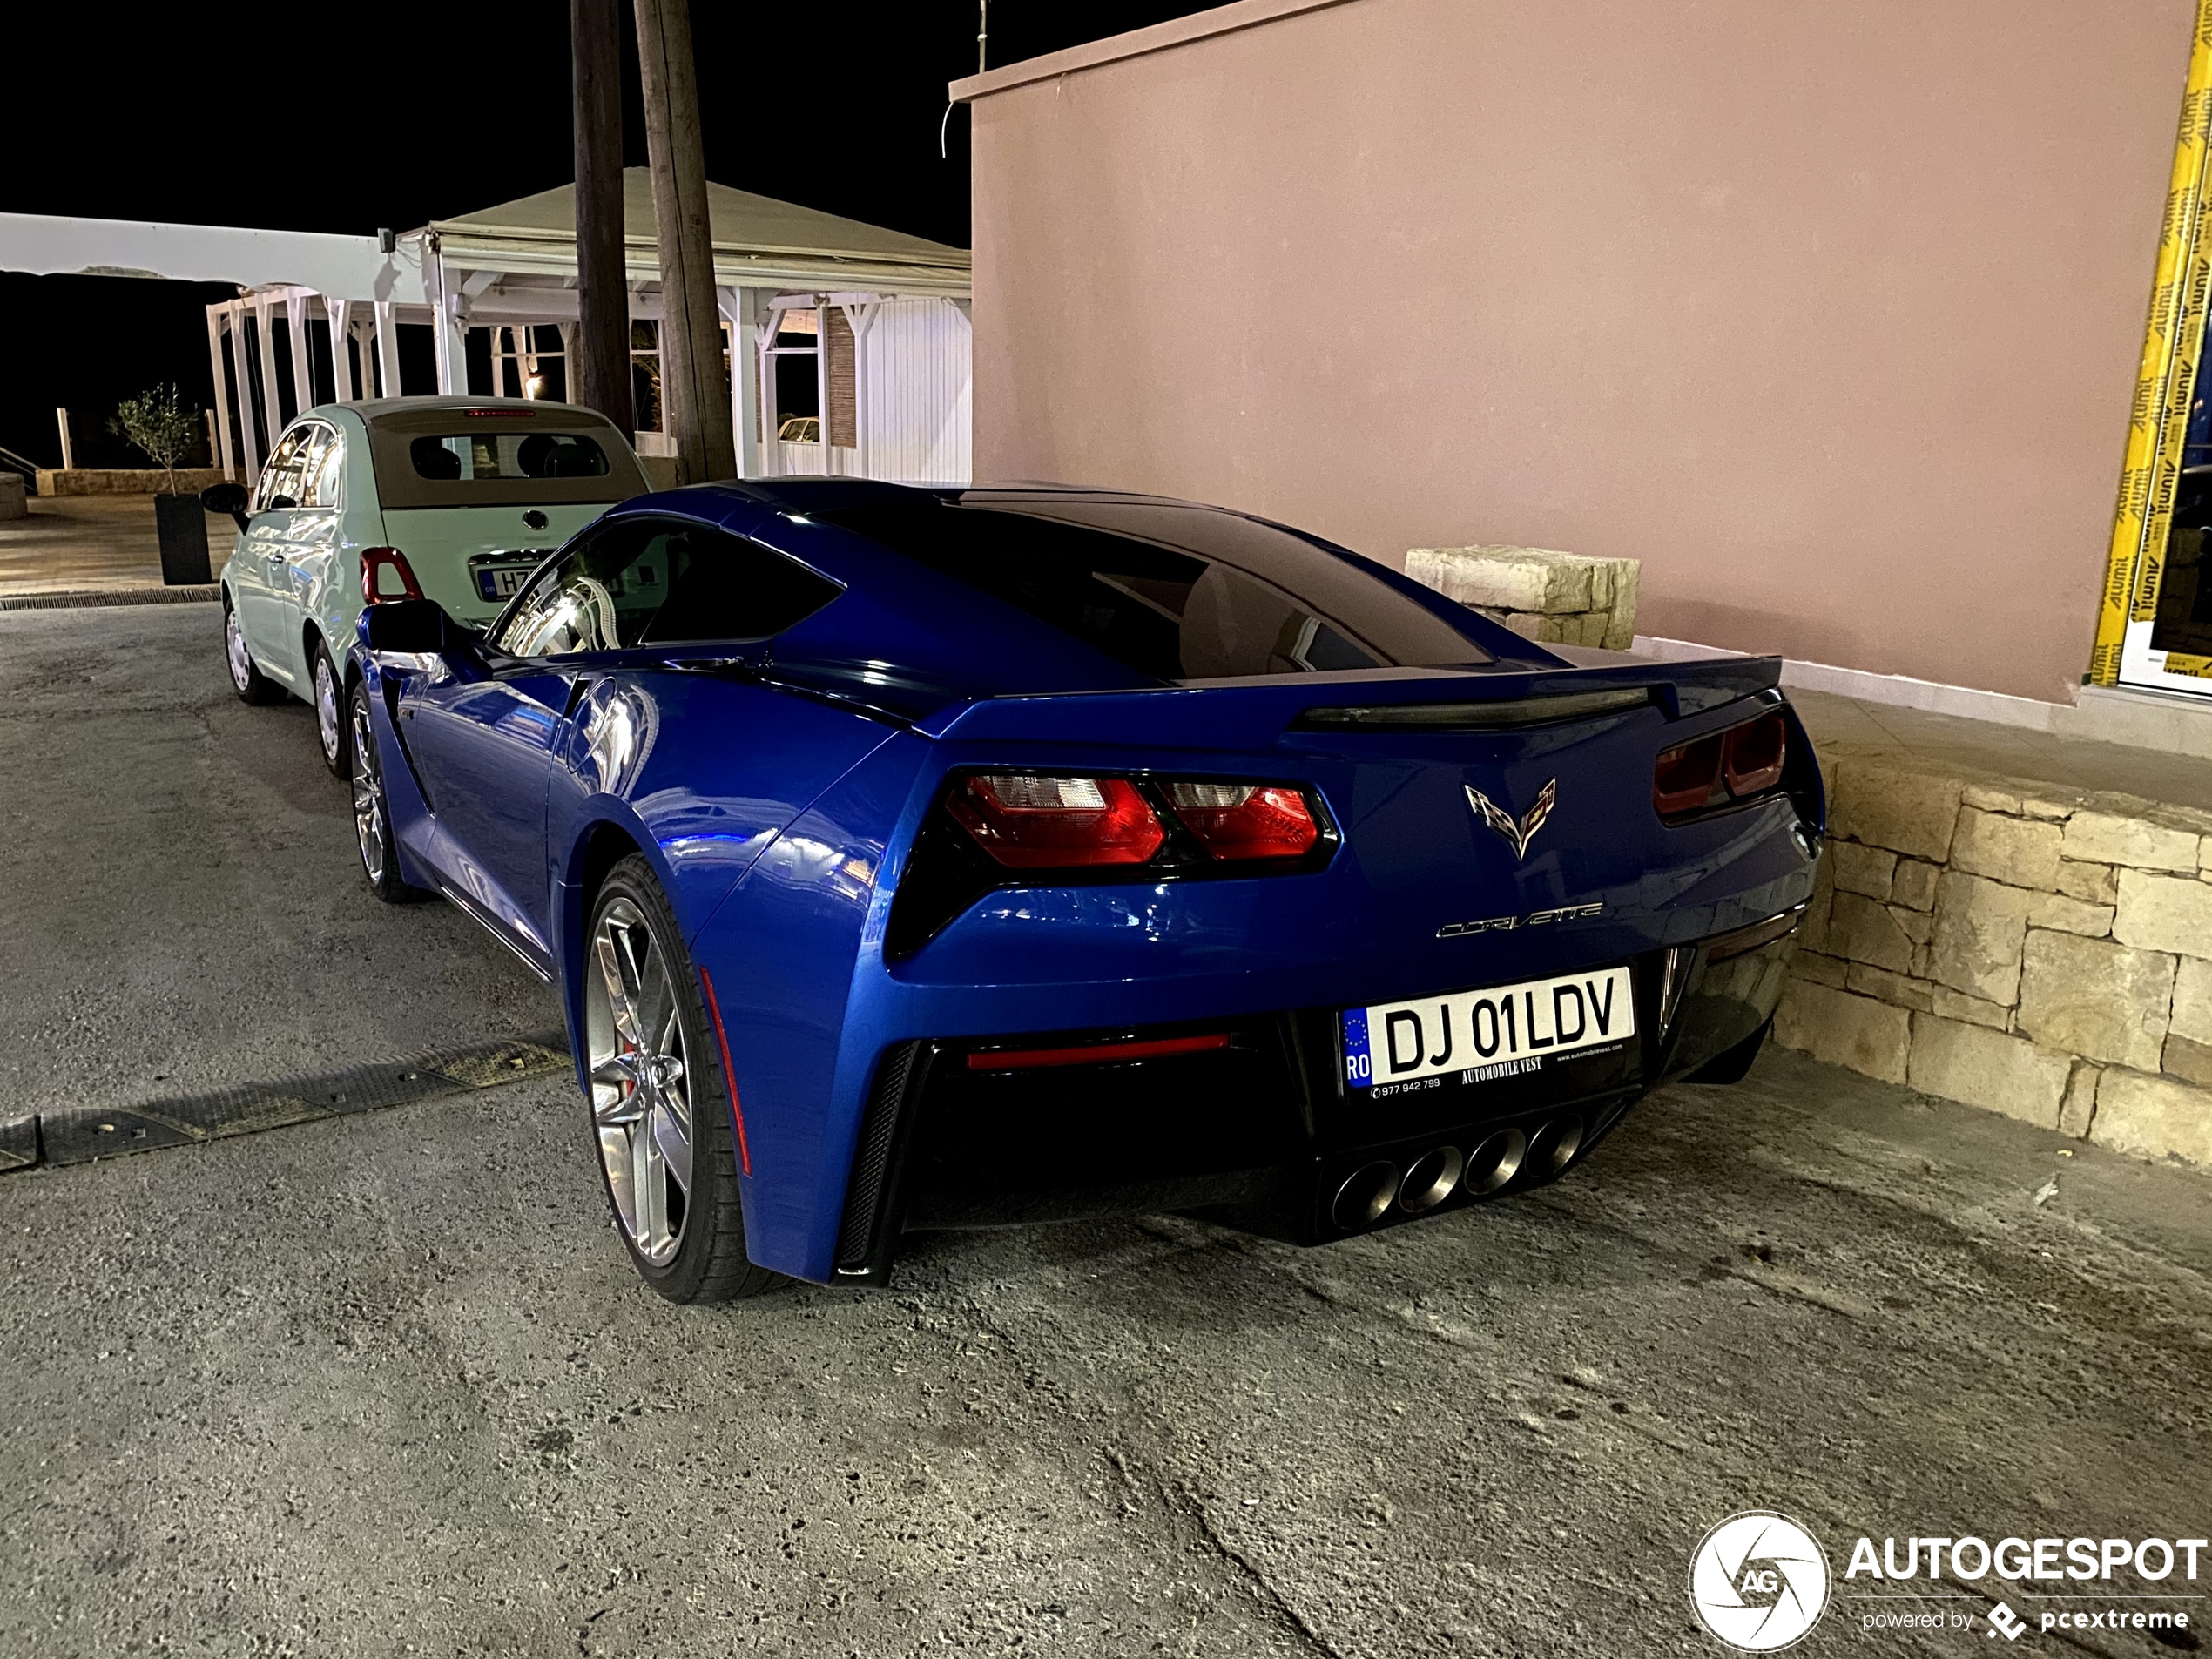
[347, 120]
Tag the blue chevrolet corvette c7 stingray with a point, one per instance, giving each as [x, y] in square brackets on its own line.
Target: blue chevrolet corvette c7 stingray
[917, 858]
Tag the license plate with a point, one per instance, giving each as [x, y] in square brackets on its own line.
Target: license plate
[503, 580]
[1501, 1032]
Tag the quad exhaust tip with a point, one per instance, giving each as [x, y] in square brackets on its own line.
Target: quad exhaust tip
[1505, 1156]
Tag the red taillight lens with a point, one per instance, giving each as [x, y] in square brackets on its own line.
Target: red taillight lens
[375, 561]
[1685, 778]
[1035, 823]
[1246, 821]
[1751, 756]
[1734, 765]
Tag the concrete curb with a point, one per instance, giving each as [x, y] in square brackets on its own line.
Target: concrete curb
[198, 593]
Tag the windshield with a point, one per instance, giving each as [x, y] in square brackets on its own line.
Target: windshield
[1175, 592]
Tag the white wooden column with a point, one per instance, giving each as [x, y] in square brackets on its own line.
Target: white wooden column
[337, 313]
[450, 344]
[271, 408]
[222, 457]
[387, 348]
[296, 311]
[740, 308]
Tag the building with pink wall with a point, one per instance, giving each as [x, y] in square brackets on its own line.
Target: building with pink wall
[1831, 316]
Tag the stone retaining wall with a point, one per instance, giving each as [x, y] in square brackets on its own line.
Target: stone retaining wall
[123, 481]
[2017, 947]
[1566, 599]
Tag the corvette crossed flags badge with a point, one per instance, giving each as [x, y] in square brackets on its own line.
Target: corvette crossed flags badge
[1517, 835]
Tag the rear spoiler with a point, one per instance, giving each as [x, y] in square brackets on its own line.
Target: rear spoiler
[1251, 713]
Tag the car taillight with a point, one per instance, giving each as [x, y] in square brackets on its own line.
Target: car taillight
[1027, 822]
[1734, 765]
[374, 561]
[1246, 821]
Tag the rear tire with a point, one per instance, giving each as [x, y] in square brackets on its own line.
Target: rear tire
[659, 1103]
[328, 698]
[373, 834]
[247, 678]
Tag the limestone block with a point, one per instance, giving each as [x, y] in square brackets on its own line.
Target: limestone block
[1856, 1032]
[2192, 1015]
[1898, 989]
[1509, 578]
[2090, 996]
[1989, 799]
[13, 502]
[2079, 1108]
[1813, 930]
[1957, 1005]
[2092, 883]
[1863, 931]
[1988, 1069]
[1916, 924]
[2069, 916]
[2189, 1061]
[2109, 837]
[1880, 804]
[2155, 1116]
[1821, 970]
[2204, 856]
[1913, 884]
[1862, 869]
[1978, 927]
[2007, 849]
[2164, 913]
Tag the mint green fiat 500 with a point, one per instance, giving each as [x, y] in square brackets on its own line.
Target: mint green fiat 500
[445, 498]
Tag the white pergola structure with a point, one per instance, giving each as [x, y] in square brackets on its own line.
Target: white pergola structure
[886, 313]
[361, 290]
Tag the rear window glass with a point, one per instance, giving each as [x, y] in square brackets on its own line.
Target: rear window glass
[639, 582]
[474, 455]
[1174, 592]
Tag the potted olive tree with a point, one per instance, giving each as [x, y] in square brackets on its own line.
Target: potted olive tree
[158, 423]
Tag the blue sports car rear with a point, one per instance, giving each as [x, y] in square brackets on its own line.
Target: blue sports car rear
[913, 858]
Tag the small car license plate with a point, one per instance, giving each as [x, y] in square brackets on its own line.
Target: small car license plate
[1501, 1032]
[503, 580]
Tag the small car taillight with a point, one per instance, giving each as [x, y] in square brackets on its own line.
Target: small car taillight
[1738, 764]
[1029, 822]
[1246, 821]
[375, 561]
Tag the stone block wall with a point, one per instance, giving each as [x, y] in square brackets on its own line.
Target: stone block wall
[2017, 947]
[1565, 598]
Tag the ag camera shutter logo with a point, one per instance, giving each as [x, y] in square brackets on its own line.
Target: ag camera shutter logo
[1758, 1581]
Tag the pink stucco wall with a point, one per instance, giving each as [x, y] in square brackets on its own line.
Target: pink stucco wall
[1829, 313]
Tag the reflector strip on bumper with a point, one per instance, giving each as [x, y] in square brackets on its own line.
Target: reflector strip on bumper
[1093, 1054]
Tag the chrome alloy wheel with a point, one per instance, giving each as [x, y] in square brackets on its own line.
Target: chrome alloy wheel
[327, 731]
[371, 827]
[641, 1092]
[235, 651]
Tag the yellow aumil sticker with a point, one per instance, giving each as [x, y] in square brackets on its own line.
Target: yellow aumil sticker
[2195, 667]
[2166, 383]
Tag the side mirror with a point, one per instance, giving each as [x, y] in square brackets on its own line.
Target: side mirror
[415, 627]
[225, 498]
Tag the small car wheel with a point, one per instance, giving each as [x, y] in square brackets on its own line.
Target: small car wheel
[660, 1105]
[331, 716]
[246, 679]
[372, 809]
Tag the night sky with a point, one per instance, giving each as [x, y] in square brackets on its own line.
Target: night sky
[320, 119]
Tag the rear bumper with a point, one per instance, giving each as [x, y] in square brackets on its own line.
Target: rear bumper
[1251, 1121]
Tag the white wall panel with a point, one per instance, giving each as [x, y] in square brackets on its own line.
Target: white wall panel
[916, 401]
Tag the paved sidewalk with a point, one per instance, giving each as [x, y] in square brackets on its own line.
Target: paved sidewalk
[76, 543]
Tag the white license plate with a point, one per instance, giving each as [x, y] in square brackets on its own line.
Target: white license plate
[503, 581]
[1502, 1032]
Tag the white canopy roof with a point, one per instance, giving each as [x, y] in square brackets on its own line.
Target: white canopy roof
[345, 267]
[758, 242]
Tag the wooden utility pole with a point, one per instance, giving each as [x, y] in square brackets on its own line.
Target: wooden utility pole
[598, 363]
[694, 385]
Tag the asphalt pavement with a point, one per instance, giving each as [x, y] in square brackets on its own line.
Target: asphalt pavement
[384, 1383]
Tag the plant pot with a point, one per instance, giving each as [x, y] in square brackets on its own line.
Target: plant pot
[183, 524]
